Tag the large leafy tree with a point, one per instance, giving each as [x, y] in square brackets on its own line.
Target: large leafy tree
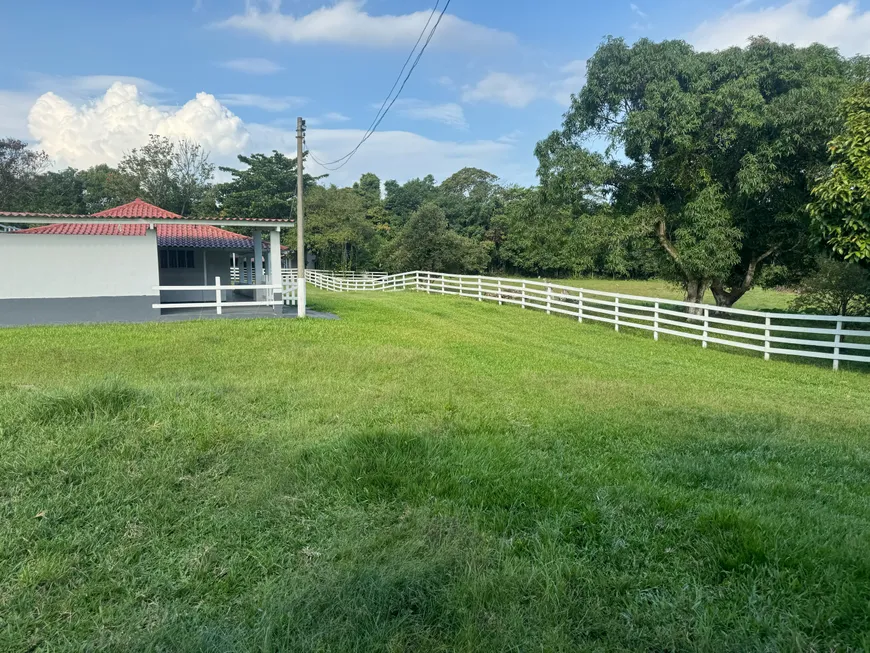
[470, 198]
[59, 192]
[266, 188]
[426, 242]
[338, 229]
[104, 187]
[841, 200]
[711, 153]
[20, 165]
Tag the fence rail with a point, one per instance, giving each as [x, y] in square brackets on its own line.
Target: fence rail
[828, 337]
[219, 303]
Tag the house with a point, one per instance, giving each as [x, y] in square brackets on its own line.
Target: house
[135, 262]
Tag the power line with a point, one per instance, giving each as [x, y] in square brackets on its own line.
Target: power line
[382, 112]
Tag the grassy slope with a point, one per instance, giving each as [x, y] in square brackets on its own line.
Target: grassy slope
[428, 473]
[759, 299]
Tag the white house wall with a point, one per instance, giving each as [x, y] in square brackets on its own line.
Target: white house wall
[42, 266]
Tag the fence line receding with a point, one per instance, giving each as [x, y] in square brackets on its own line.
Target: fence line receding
[829, 337]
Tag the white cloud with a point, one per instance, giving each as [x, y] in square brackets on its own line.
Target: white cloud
[447, 114]
[264, 102]
[637, 10]
[519, 91]
[101, 131]
[503, 88]
[347, 23]
[253, 66]
[399, 155]
[87, 86]
[843, 26]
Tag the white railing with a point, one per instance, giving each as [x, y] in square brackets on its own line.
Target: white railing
[829, 337]
[219, 303]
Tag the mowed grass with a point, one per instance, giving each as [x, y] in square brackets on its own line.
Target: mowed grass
[426, 474]
[757, 299]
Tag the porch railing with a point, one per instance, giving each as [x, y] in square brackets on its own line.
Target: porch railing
[219, 303]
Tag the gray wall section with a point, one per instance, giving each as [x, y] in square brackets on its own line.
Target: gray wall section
[77, 310]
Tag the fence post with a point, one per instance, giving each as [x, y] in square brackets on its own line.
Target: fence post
[767, 338]
[443, 292]
[838, 338]
[706, 326]
[580, 308]
[549, 296]
[523, 296]
[656, 322]
[616, 311]
[217, 294]
[499, 292]
[479, 288]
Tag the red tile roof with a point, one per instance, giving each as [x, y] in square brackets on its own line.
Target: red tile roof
[135, 210]
[168, 235]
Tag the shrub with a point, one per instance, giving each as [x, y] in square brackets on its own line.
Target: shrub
[836, 288]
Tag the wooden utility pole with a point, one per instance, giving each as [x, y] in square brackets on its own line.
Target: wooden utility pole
[300, 220]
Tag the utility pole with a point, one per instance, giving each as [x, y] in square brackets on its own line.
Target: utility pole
[300, 220]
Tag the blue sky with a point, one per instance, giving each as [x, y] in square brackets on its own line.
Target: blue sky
[88, 80]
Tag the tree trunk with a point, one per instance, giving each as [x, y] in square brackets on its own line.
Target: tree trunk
[695, 291]
[727, 298]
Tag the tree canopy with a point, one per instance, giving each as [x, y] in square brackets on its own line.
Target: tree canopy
[841, 201]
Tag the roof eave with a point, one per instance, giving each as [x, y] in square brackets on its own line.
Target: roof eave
[89, 219]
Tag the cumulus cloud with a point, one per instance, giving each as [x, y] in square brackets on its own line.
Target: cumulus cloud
[101, 131]
[14, 107]
[843, 26]
[264, 102]
[253, 66]
[447, 114]
[347, 23]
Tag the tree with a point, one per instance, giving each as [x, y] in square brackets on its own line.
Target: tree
[172, 175]
[59, 192]
[402, 200]
[104, 187]
[265, 189]
[738, 132]
[19, 168]
[338, 230]
[425, 242]
[470, 198]
[369, 189]
[841, 199]
[836, 288]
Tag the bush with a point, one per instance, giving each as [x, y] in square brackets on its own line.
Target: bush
[836, 288]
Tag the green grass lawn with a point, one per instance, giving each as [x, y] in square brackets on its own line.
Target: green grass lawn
[757, 299]
[427, 473]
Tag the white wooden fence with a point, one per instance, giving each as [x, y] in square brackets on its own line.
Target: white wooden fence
[219, 303]
[827, 337]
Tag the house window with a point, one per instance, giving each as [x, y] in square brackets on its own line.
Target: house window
[176, 258]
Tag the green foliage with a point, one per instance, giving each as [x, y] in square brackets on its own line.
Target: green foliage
[743, 128]
[426, 242]
[338, 230]
[172, 175]
[59, 192]
[841, 200]
[104, 187]
[836, 288]
[265, 189]
[19, 168]
[402, 200]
